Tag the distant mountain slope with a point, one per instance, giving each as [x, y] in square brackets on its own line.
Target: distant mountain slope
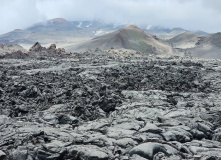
[168, 33]
[130, 37]
[185, 40]
[59, 30]
[208, 47]
[163, 32]
[202, 46]
[9, 48]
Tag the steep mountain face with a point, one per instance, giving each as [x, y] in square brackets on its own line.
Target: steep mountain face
[130, 37]
[185, 40]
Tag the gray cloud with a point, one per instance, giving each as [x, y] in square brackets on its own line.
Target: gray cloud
[213, 4]
[15, 14]
[188, 14]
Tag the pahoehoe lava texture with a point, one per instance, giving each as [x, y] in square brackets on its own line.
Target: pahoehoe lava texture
[104, 107]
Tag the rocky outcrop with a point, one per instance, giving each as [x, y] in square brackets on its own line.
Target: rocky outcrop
[37, 47]
[60, 51]
[50, 50]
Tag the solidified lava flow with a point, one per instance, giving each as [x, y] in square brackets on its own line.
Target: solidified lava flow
[102, 106]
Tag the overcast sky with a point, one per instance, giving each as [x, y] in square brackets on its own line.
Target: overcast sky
[189, 14]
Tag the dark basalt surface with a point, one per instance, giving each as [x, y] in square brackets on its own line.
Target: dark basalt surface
[99, 106]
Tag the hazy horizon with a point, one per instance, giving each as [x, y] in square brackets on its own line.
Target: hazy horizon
[191, 15]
